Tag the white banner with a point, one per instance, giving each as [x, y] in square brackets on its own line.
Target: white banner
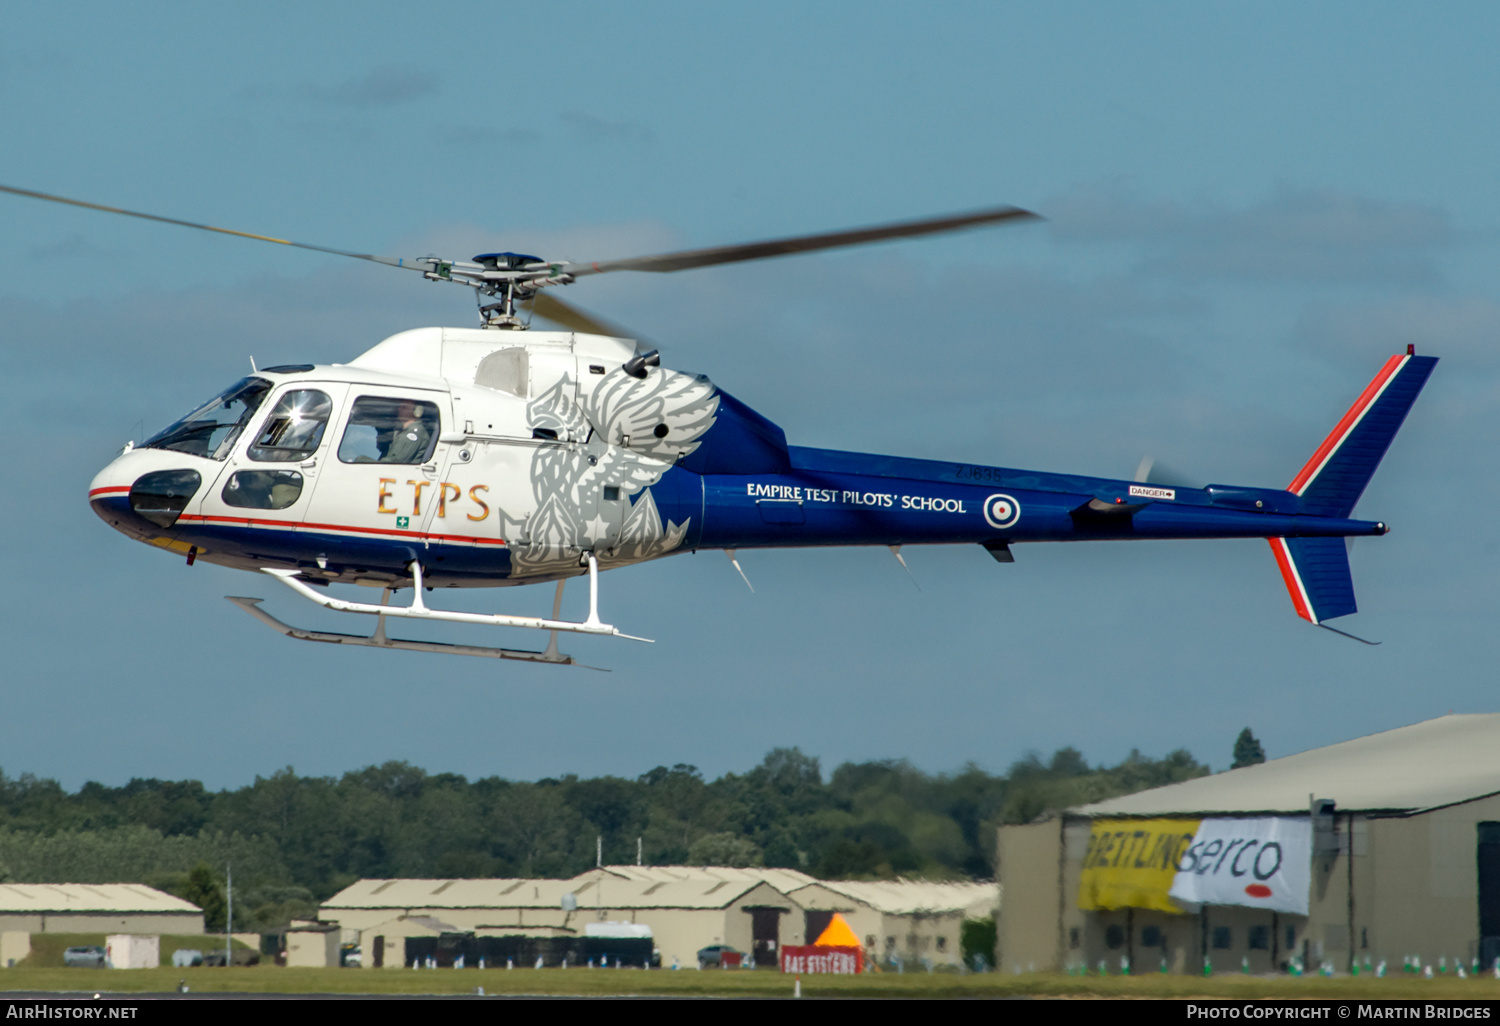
[1262, 862]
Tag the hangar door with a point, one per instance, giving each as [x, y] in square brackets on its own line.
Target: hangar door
[1489, 893]
[765, 932]
[814, 922]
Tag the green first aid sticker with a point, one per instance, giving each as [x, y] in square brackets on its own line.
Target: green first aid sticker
[403, 521]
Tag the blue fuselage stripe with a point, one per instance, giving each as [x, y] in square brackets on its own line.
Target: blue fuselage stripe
[823, 508]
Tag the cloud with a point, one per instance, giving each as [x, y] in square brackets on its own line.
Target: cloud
[385, 86]
[35, 56]
[73, 246]
[1302, 235]
[484, 138]
[596, 129]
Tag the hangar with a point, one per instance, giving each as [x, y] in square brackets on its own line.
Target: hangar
[1371, 850]
[88, 908]
[684, 914]
[95, 908]
[755, 910]
[772, 923]
[909, 920]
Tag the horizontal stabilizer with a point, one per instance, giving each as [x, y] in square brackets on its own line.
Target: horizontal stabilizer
[1316, 572]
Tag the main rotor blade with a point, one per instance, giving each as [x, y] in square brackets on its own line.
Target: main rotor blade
[389, 261]
[686, 259]
[549, 307]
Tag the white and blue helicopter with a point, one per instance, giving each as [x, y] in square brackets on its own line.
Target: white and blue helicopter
[493, 456]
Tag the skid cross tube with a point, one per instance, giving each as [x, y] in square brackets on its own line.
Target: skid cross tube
[419, 611]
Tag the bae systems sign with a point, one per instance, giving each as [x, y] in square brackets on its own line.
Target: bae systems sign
[1261, 862]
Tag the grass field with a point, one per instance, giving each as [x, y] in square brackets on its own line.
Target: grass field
[729, 983]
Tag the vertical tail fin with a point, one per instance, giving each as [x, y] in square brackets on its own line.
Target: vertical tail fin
[1333, 480]
[1316, 570]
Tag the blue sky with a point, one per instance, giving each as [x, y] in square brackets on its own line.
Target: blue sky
[1249, 207]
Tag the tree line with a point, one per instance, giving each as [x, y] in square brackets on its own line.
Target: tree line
[293, 840]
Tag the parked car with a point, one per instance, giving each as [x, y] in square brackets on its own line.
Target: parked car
[187, 957]
[242, 956]
[88, 956]
[351, 956]
[719, 956]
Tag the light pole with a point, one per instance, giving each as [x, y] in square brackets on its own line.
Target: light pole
[229, 917]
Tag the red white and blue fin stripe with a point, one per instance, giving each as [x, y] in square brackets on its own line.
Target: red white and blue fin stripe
[1316, 572]
[1333, 480]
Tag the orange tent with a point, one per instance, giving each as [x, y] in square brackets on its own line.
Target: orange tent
[838, 935]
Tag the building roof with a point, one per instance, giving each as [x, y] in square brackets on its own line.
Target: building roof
[1426, 765]
[32, 899]
[420, 893]
[784, 880]
[911, 897]
[595, 889]
[897, 897]
[705, 893]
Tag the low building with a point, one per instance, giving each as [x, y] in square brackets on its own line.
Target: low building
[26, 909]
[132, 951]
[771, 925]
[755, 910]
[900, 920]
[909, 920]
[379, 915]
[684, 914]
[310, 944]
[95, 908]
[1375, 849]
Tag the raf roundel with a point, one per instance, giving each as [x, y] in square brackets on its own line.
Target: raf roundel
[1001, 511]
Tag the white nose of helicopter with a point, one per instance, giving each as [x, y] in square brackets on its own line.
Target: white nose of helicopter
[143, 491]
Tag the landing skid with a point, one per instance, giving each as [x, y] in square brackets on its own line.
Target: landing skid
[418, 610]
[252, 606]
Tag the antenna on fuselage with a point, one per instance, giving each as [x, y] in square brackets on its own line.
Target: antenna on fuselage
[730, 553]
[896, 551]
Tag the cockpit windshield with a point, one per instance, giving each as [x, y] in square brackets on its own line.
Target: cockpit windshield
[211, 430]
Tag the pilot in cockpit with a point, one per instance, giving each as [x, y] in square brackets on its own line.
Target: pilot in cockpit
[408, 442]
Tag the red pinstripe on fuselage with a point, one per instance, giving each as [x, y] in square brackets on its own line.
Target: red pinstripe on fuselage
[303, 525]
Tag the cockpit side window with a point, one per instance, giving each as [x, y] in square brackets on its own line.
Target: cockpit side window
[213, 428]
[294, 429]
[387, 430]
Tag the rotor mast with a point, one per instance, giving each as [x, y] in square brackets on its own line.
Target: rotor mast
[509, 278]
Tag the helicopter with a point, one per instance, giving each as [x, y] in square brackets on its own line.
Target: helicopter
[505, 455]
